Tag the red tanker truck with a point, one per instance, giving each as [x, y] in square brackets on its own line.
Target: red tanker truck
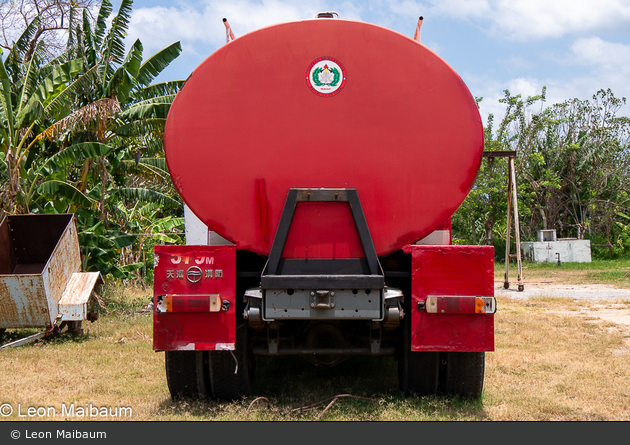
[330, 155]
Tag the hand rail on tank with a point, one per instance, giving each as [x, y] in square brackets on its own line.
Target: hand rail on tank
[229, 35]
[416, 36]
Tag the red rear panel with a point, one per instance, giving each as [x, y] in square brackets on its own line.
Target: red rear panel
[191, 279]
[451, 271]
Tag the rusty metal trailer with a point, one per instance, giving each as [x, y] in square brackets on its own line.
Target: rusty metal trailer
[327, 154]
[41, 285]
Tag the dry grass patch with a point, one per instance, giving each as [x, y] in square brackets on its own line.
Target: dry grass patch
[92, 368]
[554, 363]
[554, 360]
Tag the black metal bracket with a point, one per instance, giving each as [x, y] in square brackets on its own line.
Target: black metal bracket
[354, 273]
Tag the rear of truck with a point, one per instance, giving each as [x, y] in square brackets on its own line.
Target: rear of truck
[330, 155]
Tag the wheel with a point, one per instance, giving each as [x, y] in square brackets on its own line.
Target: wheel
[521, 287]
[185, 374]
[232, 372]
[464, 374]
[418, 372]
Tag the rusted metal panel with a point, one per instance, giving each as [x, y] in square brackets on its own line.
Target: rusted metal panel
[64, 261]
[39, 255]
[73, 303]
[23, 302]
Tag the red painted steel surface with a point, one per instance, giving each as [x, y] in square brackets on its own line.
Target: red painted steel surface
[451, 270]
[194, 331]
[404, 131]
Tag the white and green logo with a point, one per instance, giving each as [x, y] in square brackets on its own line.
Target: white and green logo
[326, 76]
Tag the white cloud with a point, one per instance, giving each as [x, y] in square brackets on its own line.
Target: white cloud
[194, 22]
[462, 9]
[252, 15]
[606, 65]
[492, 91]
[200, 21]
[537, 19]
[582, 85]
[406, 8]
[602, 56]
[158, 27]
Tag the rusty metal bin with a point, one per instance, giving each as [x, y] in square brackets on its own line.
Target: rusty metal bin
[40, 278]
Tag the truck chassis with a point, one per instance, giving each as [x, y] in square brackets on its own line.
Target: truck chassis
[217, 308]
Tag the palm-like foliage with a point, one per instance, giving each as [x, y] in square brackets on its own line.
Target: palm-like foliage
[31, 94]
[73, 128]
[573, 170]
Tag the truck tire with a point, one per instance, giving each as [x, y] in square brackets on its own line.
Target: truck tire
[181, 374]
[418, 372]
[232, 372]
[464, 375]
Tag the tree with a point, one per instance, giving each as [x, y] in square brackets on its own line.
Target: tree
[573, 170]
[30, 94]
[573, 163]
[56, 17]
[485, 206]
[77, 146]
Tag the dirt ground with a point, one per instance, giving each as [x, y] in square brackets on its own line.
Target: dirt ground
[598, 300]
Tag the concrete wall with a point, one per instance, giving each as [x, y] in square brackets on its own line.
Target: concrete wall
[571, 251]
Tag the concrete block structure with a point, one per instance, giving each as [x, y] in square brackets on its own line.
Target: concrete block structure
[570, 250]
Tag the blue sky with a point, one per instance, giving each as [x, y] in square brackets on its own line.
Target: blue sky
[574, 47]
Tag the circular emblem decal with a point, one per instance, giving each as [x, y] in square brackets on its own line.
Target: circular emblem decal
[326, 76]
[193, 274]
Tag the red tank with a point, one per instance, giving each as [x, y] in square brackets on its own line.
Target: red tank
[324, 104]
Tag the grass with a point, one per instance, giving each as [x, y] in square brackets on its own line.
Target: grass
[553, 361]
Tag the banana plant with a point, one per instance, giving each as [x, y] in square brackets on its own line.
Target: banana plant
[83, 133]
[151, 225]
[116, 111]
[119, 100]
[31, 95]
[121, 249]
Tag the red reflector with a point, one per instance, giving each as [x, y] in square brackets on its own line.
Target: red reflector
[454, 304]
[188, 303]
